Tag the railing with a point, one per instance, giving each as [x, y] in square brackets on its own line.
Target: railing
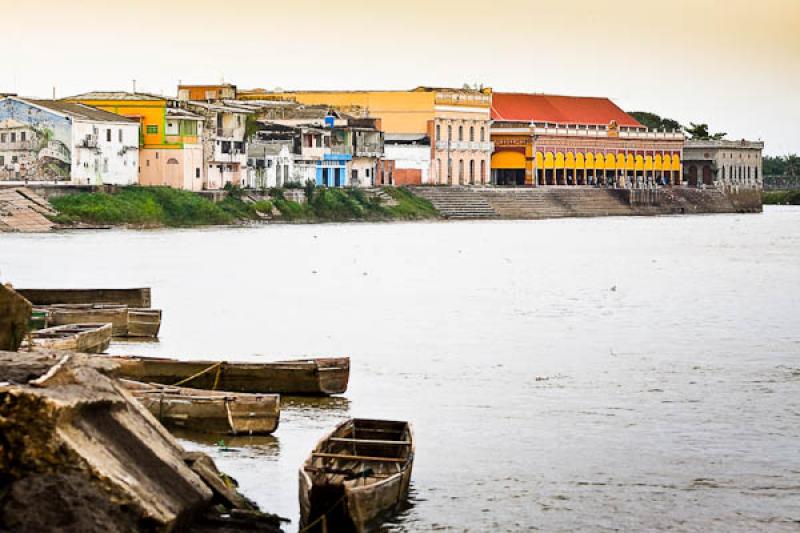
[369, 150]
[18, 145]
[465, 145]
[566, 131]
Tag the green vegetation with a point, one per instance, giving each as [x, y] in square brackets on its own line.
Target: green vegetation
[787, 166]
[781, 197]
[162, 206]
[694, 131]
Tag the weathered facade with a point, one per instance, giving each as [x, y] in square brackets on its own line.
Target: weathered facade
[563, 140]
[224, 142]
[68, 141]
[724, 164]
[407, 159]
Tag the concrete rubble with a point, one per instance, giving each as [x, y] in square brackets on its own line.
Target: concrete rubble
[15, 311]
[78, 453]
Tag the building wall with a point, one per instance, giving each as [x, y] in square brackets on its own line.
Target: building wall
[724, 163]
[114, 159]
[151, 114]
[364, 170]
[47, 154]
[172, 167]
[410, 162]
[399, 111]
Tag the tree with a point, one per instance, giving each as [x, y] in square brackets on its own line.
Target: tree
[700, 132]
[655, 122]
[792, 165]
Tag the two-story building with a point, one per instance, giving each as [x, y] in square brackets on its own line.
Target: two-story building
[67, 141]
[174, 159]
[724, 164]
[224, 142]
[544, 140]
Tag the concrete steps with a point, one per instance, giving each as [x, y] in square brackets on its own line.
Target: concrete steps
[457, 202]
[556, 202]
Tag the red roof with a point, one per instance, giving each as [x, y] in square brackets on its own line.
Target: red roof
[518, 107]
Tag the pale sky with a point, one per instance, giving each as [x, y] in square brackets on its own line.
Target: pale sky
[734, 64]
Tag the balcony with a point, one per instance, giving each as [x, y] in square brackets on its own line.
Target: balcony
[369, 150]
[464, 146]
[228, 133]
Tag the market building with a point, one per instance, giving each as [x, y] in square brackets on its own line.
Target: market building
[542, 140]
[724, 164]
[456, 121]
[66, 141]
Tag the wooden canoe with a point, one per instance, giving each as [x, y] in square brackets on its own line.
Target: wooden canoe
[85, 338]
[144, 322]
[66, 314]
[209, 411]
[302, 378]
[139, 297]
[356, 476]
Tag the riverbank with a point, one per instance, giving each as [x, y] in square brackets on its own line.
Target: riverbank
[781, 197]
[164, 207]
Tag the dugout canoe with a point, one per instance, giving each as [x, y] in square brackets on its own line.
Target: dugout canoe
[214, 412]
[308, 377]
[138, 297]
[356, 476]
[66, 314]
[85, 338]
[144, 322]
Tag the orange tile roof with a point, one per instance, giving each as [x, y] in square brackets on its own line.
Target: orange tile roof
[519, 107]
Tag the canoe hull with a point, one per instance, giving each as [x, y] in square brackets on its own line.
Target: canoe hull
[84, 338]
[308, 377]
[209, 411]
[144, 323]
[355, 483]
[139, 297]
[117, 316]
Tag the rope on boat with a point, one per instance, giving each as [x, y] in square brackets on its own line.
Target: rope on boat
[230, 418]
[323, 518]
[195, 376]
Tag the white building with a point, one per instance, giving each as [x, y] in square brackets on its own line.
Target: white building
[67, 141]
[723, 164]
[409, 156]
[270, 164]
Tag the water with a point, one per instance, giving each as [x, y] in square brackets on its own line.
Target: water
[588, 374]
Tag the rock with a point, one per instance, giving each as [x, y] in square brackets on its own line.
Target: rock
[78, 453]
[15, 312]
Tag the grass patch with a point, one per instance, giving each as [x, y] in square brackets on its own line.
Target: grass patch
[781, 197]
[162, 206]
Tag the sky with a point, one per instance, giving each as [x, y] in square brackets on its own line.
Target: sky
[734, 64]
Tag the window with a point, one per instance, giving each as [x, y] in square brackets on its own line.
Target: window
[120, 135]
[105, 160]
[148, 163]
[460, 170]
[156, 155]
[483, 170]
[4, 137]
[472, 134]
[13, 137]
[472, 171]
[2, 160]
[188, 128]
[152, 129]
[460, 133]
[483, 134]
[22, 136]
[438, 132]
[449, 133]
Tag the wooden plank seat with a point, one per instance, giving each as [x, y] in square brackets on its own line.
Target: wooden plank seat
[348, 457]
[371, 441]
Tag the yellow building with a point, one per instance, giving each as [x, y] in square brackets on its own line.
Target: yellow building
[170, 151]
[455, 121]
[566, 140]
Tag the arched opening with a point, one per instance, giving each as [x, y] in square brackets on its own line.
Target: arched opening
[708, 175]
[692, 176]
[508, 168]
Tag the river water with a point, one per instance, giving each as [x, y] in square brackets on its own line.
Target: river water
[584, 374]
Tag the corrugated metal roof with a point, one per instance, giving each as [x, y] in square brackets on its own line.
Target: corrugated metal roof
[81, 111]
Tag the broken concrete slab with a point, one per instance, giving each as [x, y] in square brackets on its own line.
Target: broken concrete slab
[74, 441]
[15, 312]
